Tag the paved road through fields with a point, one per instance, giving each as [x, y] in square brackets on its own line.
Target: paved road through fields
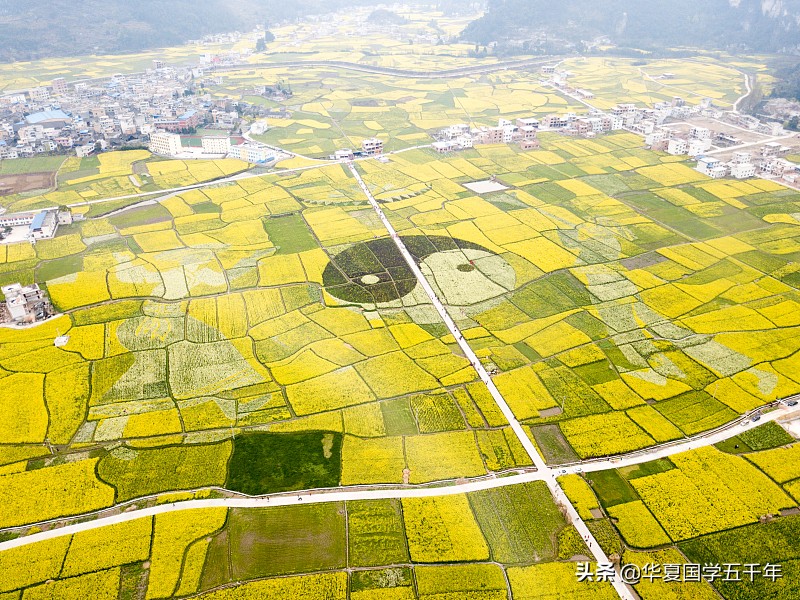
[538, 461]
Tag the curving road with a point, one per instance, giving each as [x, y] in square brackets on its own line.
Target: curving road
[548, 475]
[390, 71]
[543, 473]
[709, 438]
[166, 193]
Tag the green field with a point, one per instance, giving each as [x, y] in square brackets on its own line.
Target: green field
[39, 164]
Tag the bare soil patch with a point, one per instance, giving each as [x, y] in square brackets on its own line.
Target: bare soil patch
[26, 182]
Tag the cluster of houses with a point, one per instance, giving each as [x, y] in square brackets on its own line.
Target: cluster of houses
[88, 115]
[743, 166]
[461, 136]
[699, 140]
[121, 111]
[369, 147]
[524, 131]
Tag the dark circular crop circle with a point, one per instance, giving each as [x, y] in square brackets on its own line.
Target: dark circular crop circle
[375, 272]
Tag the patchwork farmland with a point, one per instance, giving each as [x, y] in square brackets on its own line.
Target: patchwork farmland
[237, 354]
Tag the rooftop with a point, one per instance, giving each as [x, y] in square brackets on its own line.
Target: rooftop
[47, 115]
[38, 220]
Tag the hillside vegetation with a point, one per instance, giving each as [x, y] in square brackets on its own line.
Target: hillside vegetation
[758, 25]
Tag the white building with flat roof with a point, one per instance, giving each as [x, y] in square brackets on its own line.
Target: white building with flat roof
[677, 147]
[743, 170]
[43, 226]
[252, 153]
[742, 158]
[700, 133]
[657, 136]
[372, 146]
[711, 167]
[26, 304]
[697, 147]
[16, 219]
[39, 94]
[165, 143]
[216, 144]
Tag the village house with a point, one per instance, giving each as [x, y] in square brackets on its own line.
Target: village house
[711, 167]
[25, 304]
[372, 146]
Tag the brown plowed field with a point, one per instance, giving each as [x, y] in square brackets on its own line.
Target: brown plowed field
[26, 182]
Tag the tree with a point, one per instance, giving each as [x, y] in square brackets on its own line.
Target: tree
[268, 36]
[261, 45]
[794, 123]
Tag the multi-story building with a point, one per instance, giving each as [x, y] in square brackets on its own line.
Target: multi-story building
[555, 121]
[771, 149]
[16, 219]
[697, 147]
[252, 153]
[26, 304]
[216, 144]
[43, 226]
[184, 122]
[530, 122]
[677, 147]
[742, 170]
[59, 85]
[372, 146]
[454, 131]
[777, 167]
[700, 133]
[40, 94]
[657, 136]
[623, 110]
[85, 150]
[167, 144]
[510, 133]
[742, 158]
[712, 167]
[30, 134]
[488, 135]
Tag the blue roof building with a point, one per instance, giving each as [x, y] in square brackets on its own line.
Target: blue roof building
[47, 116]
[38, 221]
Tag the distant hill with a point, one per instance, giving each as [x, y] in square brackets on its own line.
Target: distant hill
[747, 25]
[381, 16]
[37, 29]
